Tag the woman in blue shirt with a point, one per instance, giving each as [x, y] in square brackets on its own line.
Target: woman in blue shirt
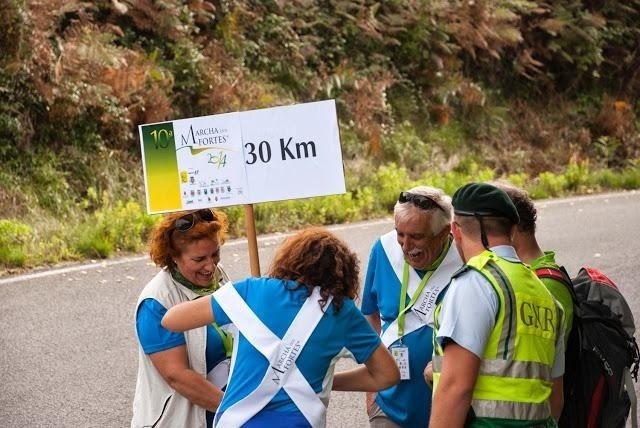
[181, 375]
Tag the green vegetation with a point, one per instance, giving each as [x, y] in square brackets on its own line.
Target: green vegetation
[125, 226]
[428, 92]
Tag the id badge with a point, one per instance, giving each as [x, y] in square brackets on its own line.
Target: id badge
[400, 354]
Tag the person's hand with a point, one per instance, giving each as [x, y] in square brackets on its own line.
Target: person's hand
[217, 397]
[428, 374]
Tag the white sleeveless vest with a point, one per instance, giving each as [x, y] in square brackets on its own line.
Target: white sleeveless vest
[155, 403]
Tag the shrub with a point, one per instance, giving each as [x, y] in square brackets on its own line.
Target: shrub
[123, 227]
[93, 244]
[403, 146]
[577, 175]
[520, 180]
[630, 178]
[609, 179]
[386, 184]
[235, 215]
[13, 238]
[547, 185]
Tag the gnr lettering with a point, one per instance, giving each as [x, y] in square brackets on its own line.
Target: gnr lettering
[536, 316]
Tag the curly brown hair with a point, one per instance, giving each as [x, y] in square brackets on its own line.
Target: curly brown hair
[316, 257]
[523, 203]
[165, 245]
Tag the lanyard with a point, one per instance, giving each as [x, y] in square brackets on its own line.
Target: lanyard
[227, 339]
[403, 307]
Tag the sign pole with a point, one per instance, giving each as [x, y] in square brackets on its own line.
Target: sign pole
[250, 227]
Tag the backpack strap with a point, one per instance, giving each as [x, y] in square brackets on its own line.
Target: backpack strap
[559, 274]
[631, 392]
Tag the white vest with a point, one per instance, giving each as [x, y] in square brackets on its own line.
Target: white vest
[281, 354]
[155, 403]
[422, 311]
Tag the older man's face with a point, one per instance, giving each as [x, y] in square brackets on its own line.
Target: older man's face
[420, 247]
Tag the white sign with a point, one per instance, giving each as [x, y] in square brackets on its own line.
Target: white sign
[244, 157]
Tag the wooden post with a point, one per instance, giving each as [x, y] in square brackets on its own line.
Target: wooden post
[252, 242]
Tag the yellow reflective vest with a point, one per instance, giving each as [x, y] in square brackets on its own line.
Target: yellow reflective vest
[514, 380]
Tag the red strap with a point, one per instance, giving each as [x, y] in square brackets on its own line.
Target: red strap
[550, 273]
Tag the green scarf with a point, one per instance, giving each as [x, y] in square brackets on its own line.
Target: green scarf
[200, 291]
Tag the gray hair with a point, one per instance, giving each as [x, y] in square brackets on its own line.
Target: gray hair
[440, 218]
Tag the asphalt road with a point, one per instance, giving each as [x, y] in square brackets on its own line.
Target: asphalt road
[68, 353]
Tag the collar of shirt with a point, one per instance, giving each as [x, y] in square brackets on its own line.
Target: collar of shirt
[506, 252]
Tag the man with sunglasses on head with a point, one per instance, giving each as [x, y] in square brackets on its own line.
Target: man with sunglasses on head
[181, 375]
[409, 269]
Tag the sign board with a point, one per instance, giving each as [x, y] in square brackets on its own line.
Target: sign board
[245, 157]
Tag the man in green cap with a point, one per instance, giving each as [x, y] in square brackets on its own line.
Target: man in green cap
[498, 336]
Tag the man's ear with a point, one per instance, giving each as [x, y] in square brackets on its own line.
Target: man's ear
[455, 230]
[513, 232]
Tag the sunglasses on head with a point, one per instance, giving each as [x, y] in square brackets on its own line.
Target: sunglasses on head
[187, 221]
[420, 201]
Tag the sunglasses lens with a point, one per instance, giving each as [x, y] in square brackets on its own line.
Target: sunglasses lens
[206, 215]
[423, 202]
[419, 201]
[185, 222]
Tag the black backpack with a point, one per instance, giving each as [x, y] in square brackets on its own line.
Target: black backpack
[601, 356]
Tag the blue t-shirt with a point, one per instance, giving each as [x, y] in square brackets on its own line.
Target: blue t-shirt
[153, 337]
[276, 306]
[408, 403]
